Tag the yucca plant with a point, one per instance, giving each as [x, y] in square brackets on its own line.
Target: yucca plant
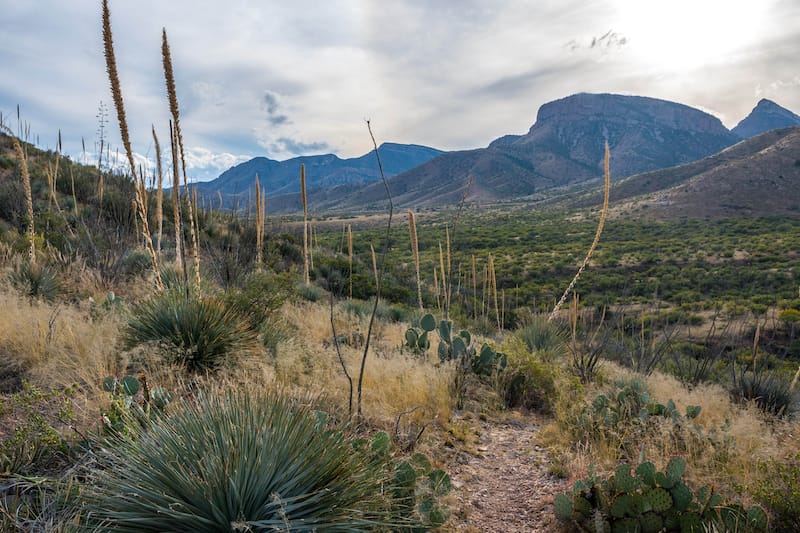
[35, 281]
[240, 462]
[199, 334]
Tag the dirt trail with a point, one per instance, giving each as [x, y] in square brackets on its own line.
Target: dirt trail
[506, 486]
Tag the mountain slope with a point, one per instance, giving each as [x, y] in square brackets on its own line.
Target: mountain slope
[767, 115]
[564, 146]
[759, 176]
[322, 171]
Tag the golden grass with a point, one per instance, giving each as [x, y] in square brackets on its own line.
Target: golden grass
[724, 452]
[394, 382]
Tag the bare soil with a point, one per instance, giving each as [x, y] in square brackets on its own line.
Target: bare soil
[505, 485]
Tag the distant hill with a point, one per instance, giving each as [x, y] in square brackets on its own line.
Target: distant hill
[564, 146]
[759, 176]
[767, 115]
[322, 171]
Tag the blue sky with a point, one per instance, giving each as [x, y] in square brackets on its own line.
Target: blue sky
[280, 79]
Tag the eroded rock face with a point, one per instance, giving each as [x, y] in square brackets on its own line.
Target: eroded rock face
[643, 133]
[766, 116]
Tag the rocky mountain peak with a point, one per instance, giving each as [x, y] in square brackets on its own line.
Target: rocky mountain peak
[766, 116]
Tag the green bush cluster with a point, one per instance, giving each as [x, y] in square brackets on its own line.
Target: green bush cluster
[199, 334]
[651, 501]
[259, 462]
[779, 490]
[38, 441]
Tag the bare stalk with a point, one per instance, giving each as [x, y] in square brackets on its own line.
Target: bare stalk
[597, 234]
[159, 193]
[26, 184]
[169, 77]
[306, 273]
[138, 180]
[412, 229]
[380, 269]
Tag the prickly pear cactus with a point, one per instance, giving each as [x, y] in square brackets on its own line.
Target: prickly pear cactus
[649, 501]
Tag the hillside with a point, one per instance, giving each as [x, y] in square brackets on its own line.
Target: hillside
[322, 171]
[755, 177]
[564, 146]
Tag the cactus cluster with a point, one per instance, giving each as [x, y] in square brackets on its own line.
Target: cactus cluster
[124, 406]
[630, 404]
[454, 346]
[650, 501]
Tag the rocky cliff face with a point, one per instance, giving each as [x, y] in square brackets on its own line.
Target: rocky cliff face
[566, 145]
[766, 116]
[643, 133]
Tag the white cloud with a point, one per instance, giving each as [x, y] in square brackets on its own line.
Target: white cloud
[283, 78]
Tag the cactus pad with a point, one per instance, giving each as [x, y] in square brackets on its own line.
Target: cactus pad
[682, 496]
[563, 507]
[675, 468]
[651, 523]
[659, 499]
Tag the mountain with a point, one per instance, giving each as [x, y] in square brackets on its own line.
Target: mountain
[564, 146]
[767, 115]
[759, 176]
[322, 171]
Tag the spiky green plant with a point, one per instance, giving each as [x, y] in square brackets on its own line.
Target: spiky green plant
[36, 281]
[199, 334]
[240, 462]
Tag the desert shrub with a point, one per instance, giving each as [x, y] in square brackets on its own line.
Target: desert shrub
[37, 442]
[246, 462]
[310, 293]
[769, 390]
[260, 295]
[779, 490]
[199, 334]
[542, 335]
[36, 281]
[532, 380]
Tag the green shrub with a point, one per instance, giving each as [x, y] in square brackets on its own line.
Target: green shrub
[542, 335]
[196, 333]
[37, 443]
[310, 293]
[36, 281]
[531, 380]
[779, 490]
[770, 391]
[242, 462]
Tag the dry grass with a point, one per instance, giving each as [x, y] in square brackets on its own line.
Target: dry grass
[723, 450]
[394, 382]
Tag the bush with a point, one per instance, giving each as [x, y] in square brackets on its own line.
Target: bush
[36, 281]
[253, 463]
[779, 491]
[771, 392]
[310, 293]
[541, 335]
[531, 380]
[198, 334]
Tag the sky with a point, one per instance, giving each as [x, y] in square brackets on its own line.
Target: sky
[281, 79]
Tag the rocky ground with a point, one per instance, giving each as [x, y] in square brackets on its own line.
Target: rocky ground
[504, 484]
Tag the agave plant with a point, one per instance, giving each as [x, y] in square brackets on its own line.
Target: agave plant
[239, 462]
[197, 333]
[36, 281]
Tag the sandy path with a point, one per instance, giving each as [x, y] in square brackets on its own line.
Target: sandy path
[506, 486]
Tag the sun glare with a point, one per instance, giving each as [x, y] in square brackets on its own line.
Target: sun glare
[689, 34]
